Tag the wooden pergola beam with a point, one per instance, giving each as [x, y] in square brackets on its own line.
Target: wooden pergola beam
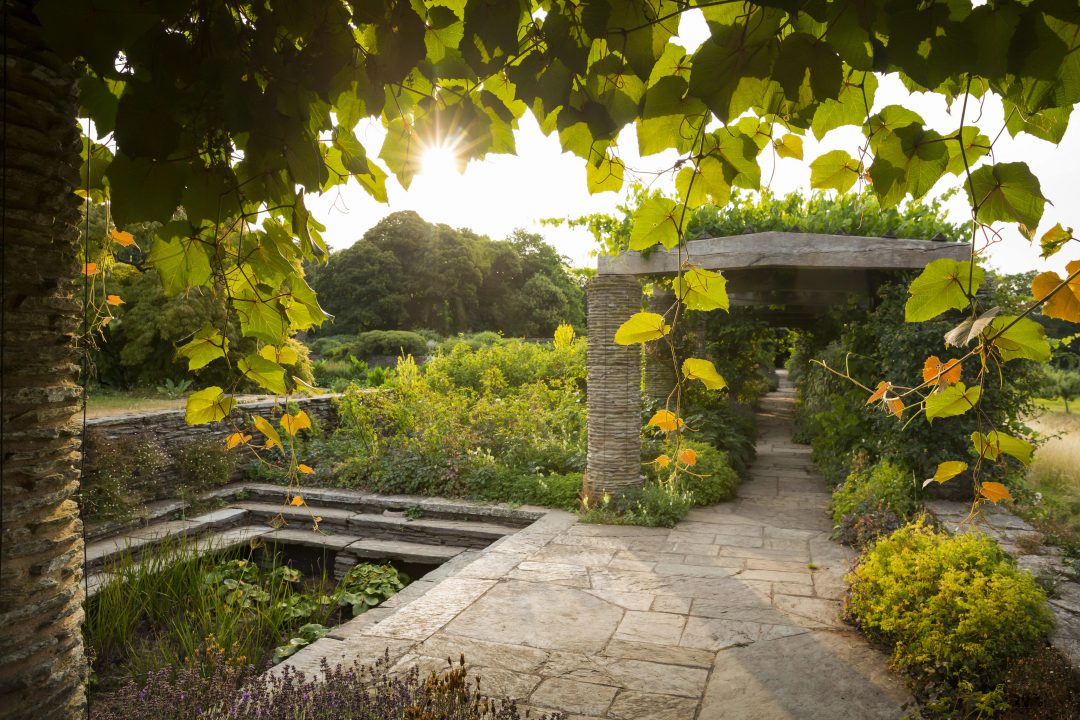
[787, 250]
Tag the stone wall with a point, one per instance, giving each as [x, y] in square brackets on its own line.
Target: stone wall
[167, 431]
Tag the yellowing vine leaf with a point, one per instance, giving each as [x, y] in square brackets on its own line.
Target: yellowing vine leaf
[1065, 303]
[114, 300]
[297, 501]
[642, 327]
[89, 269]
[896, 407]
[305, 469]
[991, 446]
[941, 374]
[656, 221]
[688, 457]
[209, 405]
[122, 237]
[947, 471]
[283, 355]
[882, 387]
[265, 373]
[237, 438]
[995, 492]
[954, 400]
[702, 290]
[663, 461]
[666, 420]
[272, 438]
[293, 424]
[789, 146]
[705, 371]
[1054, 239]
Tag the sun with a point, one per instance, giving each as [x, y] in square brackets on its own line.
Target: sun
[440, 161]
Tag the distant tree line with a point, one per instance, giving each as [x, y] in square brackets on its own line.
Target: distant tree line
[406, 273]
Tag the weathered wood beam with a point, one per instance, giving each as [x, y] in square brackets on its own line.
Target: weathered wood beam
[787, 250]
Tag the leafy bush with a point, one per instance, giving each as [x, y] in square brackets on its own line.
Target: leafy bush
[954, 609]
[708, 481]
[463, 427]
[213, 686]
[877, 344]
[118, 473]
[389, 342]
[657, 504]
[203, 463]
[723, 424]
[873, 501]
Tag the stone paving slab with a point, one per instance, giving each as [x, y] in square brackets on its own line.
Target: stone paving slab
[733, 614]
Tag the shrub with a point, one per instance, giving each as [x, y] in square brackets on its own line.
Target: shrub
[203, 463]
[954, 609]
[118, 474]
[389, 342]
[656, 504]
[232, 690]
[882, 486]
[710, 480]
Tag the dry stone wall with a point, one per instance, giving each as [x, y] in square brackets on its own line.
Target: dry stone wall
[168, 433]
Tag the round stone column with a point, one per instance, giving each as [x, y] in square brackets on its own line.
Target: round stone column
[659, 368]
[614, 393]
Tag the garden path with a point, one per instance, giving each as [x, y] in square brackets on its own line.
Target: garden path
[732, 614]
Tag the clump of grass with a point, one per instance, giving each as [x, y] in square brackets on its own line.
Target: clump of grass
[158, 611]
[1055, 471]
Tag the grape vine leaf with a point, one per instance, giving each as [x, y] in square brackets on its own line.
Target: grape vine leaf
[265, 373]
[702, 290]
[954, 400]
[705, 371]
[209, 405]
[206, 346]
[642, 327]
[992, 444]
[656, 221]
[945, 284]
[1024, 338]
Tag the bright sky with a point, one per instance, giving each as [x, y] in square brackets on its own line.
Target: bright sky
[503, 192]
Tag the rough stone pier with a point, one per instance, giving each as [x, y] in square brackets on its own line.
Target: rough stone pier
[732, 614]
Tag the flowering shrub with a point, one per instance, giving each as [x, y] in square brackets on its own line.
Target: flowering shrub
[235, 692]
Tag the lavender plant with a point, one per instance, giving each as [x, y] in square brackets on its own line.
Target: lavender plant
[233, 691]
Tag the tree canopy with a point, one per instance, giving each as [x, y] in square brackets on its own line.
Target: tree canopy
[457, 282]
[238, 111]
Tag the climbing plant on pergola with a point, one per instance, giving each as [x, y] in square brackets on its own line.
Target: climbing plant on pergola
[237, 110]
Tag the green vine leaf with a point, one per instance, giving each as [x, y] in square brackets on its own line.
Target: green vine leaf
[1007, 192]
[207, 345]
[700, 289]
[993, 444]
[655, 221]
[1025, 339]
[954, 400]
[835, 170]
[945, 284]
[265, 373]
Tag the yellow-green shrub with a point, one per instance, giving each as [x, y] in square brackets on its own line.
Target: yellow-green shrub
[955, 609]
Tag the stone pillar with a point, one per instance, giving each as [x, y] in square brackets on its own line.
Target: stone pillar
[659, 368]
[42, 665]
[614, 459]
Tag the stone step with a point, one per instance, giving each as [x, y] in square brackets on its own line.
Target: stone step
[101, 552]
[97, 573]
[358, 501]
[409, 552]
[464, 533]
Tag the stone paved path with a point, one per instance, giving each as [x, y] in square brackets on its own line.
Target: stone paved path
[732, 614]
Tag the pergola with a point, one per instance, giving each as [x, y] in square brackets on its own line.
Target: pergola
[801, 273]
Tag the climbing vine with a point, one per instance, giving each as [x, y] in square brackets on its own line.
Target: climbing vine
[237, 111]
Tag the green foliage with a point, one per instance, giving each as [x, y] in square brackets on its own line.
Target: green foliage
[744, 346]
[388, 342]
[118, 475]
[856, 213]
[456, 281]
[955, 610]
[482, 423]
[877, 344]
[161, 608]
[656, 504]
[723, 424]
[203, 463]
[873, 501]
[711, 479]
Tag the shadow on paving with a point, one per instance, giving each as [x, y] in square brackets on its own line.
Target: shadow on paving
[732, 614]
